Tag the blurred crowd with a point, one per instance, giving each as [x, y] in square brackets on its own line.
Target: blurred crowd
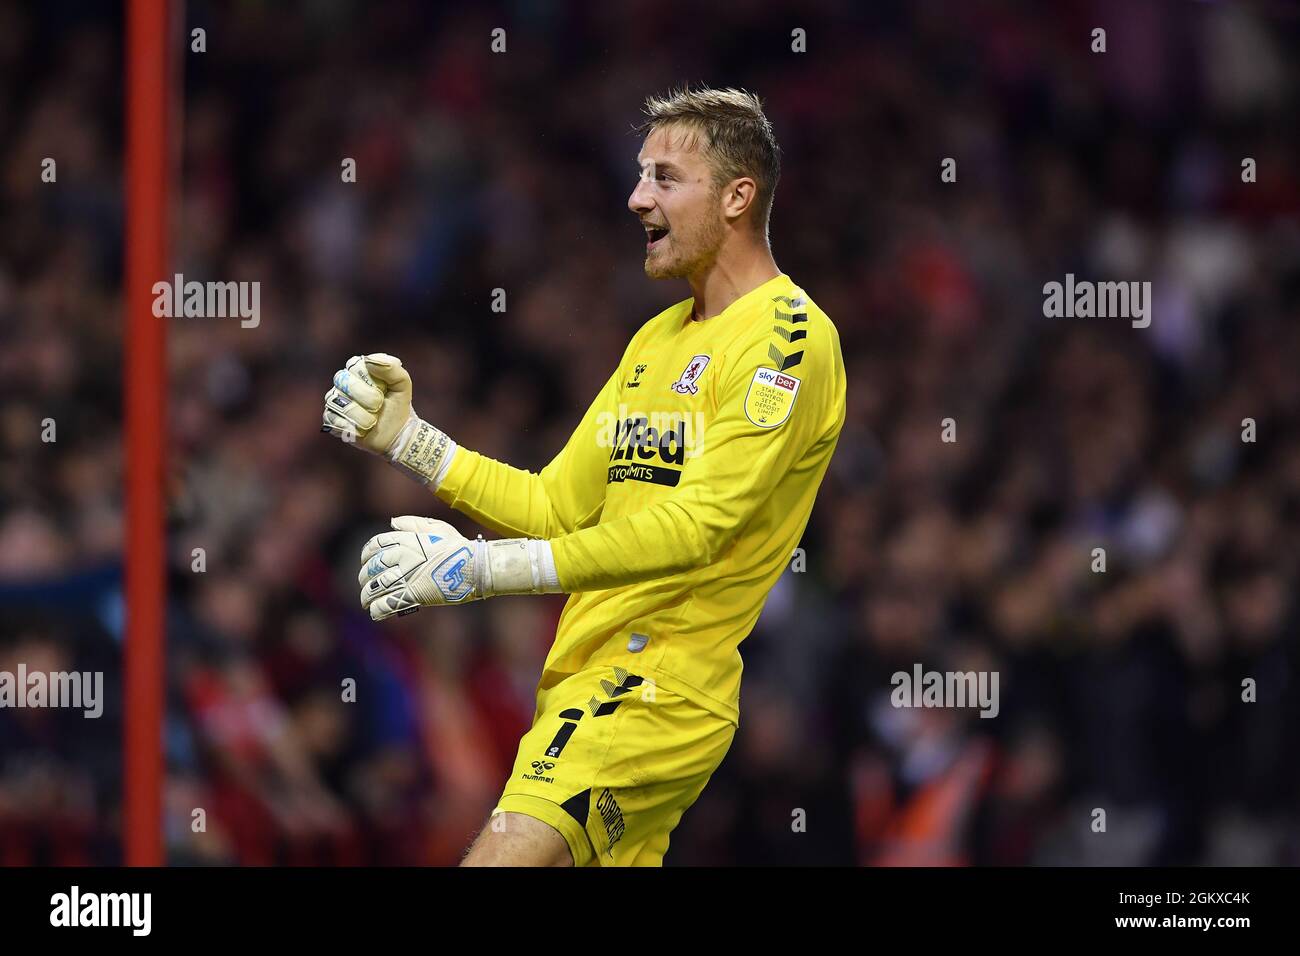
[307, 734]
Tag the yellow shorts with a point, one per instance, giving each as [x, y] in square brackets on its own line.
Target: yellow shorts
[612, 761]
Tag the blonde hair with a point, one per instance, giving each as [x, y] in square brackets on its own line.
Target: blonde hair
[736, 138]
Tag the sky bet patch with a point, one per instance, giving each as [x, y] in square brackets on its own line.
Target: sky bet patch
[770, 397]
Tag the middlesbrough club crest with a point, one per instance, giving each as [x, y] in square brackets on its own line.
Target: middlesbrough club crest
[686, 384]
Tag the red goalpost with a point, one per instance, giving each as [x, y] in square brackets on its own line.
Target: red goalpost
[147, 179]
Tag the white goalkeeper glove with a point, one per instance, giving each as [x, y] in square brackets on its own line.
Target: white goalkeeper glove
[423, 563]
[370, 406]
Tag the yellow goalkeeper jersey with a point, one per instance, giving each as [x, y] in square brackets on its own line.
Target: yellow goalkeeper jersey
[683, 492]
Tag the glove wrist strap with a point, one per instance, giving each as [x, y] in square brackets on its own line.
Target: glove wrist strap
[422, 451]
[516, 566]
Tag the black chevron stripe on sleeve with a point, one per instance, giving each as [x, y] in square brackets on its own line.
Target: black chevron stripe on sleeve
[781, 360]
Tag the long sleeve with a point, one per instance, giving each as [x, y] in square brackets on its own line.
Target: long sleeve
[750, 446]
[567, 495]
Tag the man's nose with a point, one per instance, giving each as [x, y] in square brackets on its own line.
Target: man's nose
[641, 201]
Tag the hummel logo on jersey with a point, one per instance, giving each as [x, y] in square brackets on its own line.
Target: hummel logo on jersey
[686, 384]
[636, 377]
[540, 770]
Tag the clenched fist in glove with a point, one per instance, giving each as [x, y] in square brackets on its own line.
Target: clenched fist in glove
[370, 405]
[423, 562]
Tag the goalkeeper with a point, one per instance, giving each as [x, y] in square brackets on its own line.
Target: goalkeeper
[666, 529]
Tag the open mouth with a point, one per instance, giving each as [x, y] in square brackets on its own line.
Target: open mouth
[653, 234]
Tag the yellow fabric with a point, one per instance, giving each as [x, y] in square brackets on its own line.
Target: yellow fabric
[688, 561]
[616, 782]
[555, 816]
